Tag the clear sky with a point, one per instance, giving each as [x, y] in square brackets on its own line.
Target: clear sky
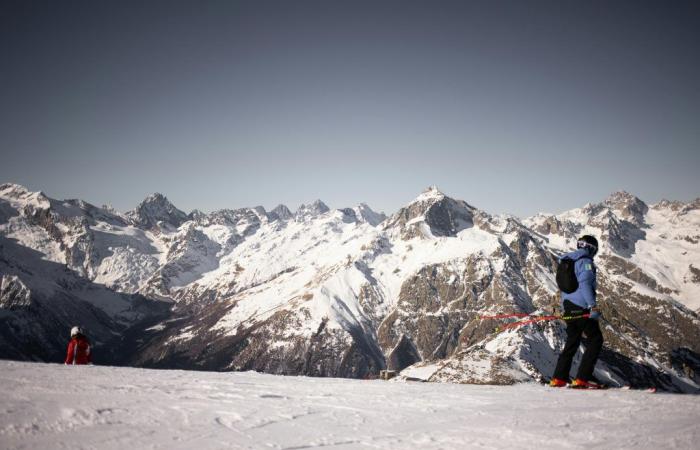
[516, 107]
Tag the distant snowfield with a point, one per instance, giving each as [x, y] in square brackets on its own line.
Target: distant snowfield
[55, 406]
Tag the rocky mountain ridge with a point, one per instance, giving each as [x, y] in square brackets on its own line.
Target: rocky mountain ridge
[347, 292]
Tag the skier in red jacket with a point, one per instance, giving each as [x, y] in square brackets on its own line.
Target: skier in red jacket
[78, 348]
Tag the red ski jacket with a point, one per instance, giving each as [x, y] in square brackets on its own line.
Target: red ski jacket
[79, 351]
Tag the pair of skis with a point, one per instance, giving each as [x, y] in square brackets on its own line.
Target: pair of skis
[650, 390]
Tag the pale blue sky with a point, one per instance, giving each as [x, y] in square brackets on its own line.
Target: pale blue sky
[515, 107]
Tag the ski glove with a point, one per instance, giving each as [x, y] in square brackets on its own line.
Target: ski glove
[595, 315]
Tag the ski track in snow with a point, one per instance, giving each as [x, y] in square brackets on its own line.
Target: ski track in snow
[55, 406]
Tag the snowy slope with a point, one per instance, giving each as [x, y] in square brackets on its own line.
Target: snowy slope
[670, 251]
[54, 406]
[660, 240]
[96, 243]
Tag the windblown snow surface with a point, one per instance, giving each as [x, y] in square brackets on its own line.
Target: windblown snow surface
[55, 406]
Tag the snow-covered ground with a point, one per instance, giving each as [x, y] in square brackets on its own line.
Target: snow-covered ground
[55, 406]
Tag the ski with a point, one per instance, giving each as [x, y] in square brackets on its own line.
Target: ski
[628, 387]
[650, 390]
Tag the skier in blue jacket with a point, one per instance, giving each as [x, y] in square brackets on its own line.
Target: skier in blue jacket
[581, 302]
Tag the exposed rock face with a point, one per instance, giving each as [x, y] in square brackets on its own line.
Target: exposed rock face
[694, 274]
[433, 308]
[312, 210]
[13, 293]
[404, 354]
[154, 210]
[281, 212]
[552, 225]
[432, 213]
[628, 207]
[365, 214]
[692, 206]
[266, 346]
[191, 253]
[245, 220]
[347, 292]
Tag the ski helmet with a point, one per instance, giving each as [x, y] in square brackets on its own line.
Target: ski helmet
[75, 331]
[589, 243]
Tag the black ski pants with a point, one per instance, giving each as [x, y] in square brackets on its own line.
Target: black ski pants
[578, 330]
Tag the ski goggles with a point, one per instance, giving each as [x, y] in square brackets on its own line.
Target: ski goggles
[584, 244]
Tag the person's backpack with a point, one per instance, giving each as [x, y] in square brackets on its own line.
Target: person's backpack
[566, 276]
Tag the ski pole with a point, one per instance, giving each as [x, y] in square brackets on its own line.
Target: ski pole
[505, 316]
[538, 319]
[523, 315]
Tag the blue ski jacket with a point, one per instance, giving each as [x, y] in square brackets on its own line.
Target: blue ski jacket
[585, 271]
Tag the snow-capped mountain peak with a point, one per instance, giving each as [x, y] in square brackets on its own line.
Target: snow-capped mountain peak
[432, 214]
[311, 210]
[21, 196]
[366, 214]
[430, 194]
[196, 215]
[261, 213]
[628, 206]
[154, 209]
[281, 212]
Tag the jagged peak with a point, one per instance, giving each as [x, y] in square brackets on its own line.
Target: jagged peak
[628, 205]
[234, 216]
[695, 204]
[366, 214]
[622, 198]
[282, 212]
[678, 206]
[196, 215]
[159, 200]
[13, 187]
[260, 212]
[156, 208]
[363, 207]
[444, 216]
[155, 197]
[18, 193]
[362, 213]
[311, 210]
[320, 205]
[430, 194]
[673, 205]
[109, 208]
[15, 190]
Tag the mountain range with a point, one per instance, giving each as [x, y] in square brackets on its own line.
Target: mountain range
[347, 292]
